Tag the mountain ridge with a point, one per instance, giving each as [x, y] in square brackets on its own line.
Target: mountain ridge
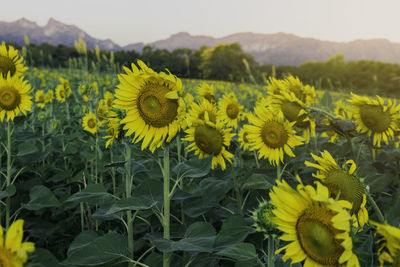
[267, 48]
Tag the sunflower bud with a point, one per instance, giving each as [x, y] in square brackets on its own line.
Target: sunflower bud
[262, 216]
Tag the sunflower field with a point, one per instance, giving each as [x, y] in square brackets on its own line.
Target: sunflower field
[135, 167]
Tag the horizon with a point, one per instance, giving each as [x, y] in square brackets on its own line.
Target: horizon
[127, 22]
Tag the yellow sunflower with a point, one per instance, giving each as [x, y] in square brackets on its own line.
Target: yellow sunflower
[89, 123]
[343, 184]
[389, 250]
[243, 139]
[108, 99]
[275, 86]
[229, 110]
[270, 135]
[208, 92]
[40, 98]
[198, 111]
[294, 110]
[60, 93]
[113, 126]
[305, 93]
[375, 117]
[67, 86]
[14, 97]
[101, 112]
[10, 61]
[316, 225]
[14, 252]
[154, 110]
[49, 96]
[210, 139]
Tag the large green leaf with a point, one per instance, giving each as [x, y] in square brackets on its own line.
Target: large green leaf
[89, 250]
[9, 192]
[234, 230]
[239, 252]
[257, 181]
[93, 194]
[193, 168]
[132, 203]
[41, 197]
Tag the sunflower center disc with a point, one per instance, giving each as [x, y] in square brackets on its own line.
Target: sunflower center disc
[109, 102]
[6, 65]
[274, 134]
[396, 259]
[375, 118]
[9, 98]
[6, 257]
[155, 109]
[210, 98]
[232, 111]
[348, 186]
[245, 137]
[291, 110]
[208, 139]
[91, 123]
[211, 116]
[316, 236]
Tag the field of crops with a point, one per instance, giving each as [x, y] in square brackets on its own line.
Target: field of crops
[140, 168]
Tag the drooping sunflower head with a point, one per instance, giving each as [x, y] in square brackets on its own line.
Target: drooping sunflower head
[108, 99]
[271, 135]
[343, 184]
[49, 96]
[90, 123]
[316, 225]
[154, 109]
[208, 92]
[60, 93]
[113, 126]
[305, 93]
[40, 98]
[389, 245]
[11, 62]
[275, 86]
[14, 252]
[230, 110]
[294, 110]
[210, 140]
[374, 117]
[14, 97]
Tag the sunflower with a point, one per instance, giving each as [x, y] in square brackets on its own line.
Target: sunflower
[113, 126]
[10, 61]
[208, 92]
[49, 96]
[154, 110]
[305, 93]
[271, 135]
[67, 86]
[275, 86]
[13, 252]
[229, 110]
[89, 123]
[14, 97]
[40, 98]
[210, 139]
[243, 139]
[343, 184]
[60, 93]
[198, 112]
[374, 117]
[316, 225]
[389, 250]
[101, 112]
[294, 110]
[108, 99]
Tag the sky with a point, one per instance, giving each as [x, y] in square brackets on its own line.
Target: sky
[132, 21]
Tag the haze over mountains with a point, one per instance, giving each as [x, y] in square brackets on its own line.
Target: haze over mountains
[277, 48]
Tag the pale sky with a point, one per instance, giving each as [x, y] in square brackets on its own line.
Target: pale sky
[131, 21]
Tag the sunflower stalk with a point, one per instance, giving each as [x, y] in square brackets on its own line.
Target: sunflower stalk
[256, 159]
[375, 207]
[128, 193]
[179, 151]
[166, 216]
[8, 178]
[237, 192]
[271, 251]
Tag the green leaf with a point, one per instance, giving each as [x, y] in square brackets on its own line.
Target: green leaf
[194, 168]
[93, 194]
[41, 197]
[257, 181]
[43, 258]
[100, 250]
[9, 192]
[379, 182]
[33, 157]
[132, 203]
[26, 148]
[234, 230]
[239, 252]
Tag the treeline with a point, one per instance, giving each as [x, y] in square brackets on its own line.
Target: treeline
[230, 63]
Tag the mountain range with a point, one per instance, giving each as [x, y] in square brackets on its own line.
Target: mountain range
[276, 48]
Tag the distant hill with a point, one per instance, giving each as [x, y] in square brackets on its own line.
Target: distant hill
[277, 48]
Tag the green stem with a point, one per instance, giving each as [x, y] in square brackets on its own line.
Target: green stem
[256, 159]
[271, 251]
[112, 169]
[375, 207]
[178, 147]
[8, 178]
[237, 191]
[128, 193]
[67, 109]
[166, 218]
[278, 171]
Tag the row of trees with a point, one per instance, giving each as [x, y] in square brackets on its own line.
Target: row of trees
[230, 63]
